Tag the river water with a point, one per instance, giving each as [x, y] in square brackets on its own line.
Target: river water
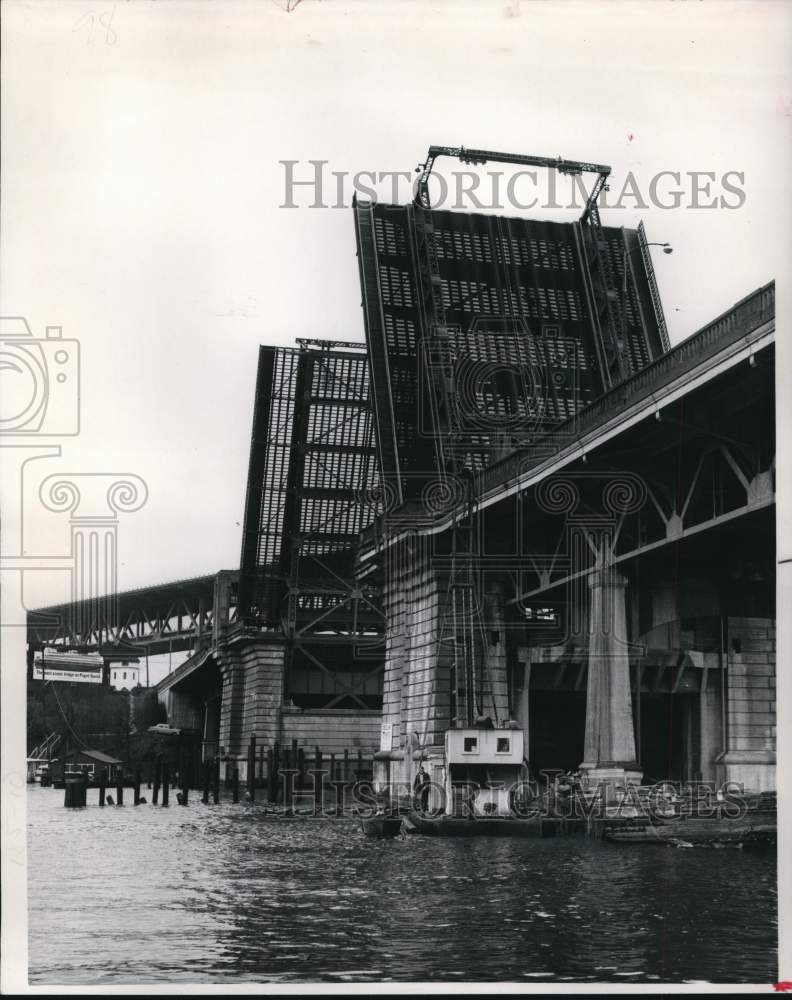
[221, 894]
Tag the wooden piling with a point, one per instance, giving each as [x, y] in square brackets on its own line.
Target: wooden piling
[74, 792]
[235, 785]
[288, 780]
[317, 781]
[137, 788]
[251, 768]
[165, 782]
[120, 788]
[102, 786]
[206, 783]
[157, 780]
[272, 790]
[216, 781]
[332, 768]
[301, 768]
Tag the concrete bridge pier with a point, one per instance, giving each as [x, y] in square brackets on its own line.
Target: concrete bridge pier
[749, 758]
[609, 755]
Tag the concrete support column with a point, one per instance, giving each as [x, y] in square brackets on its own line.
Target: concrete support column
[750, 757]
[609, 754]
[252, 692]
[232, 694]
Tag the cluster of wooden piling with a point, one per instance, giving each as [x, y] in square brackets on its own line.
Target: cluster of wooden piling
[76, 791]
[286, 771]
[279, 772]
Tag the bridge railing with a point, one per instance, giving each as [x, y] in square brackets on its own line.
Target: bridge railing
[732, 326]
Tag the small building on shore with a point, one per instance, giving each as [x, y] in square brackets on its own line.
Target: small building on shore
[90, 762]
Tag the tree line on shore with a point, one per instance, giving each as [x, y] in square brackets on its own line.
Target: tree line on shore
[95, 717]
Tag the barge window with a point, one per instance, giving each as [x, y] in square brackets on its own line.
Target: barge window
[471, 744]
[503, 744]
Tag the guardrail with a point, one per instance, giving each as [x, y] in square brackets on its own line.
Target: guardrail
[729, 328]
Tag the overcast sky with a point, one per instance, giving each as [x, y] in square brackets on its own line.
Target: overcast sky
[141, 187]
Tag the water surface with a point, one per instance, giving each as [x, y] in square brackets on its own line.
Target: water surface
[220, 894]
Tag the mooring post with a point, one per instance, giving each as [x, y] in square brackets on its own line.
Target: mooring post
[288, 780]
[332, 768]
[273, 780]
[216, 781]
[185, 791]
[165, 782]
[74, 791]
[301, 768]
[157, 779]
[120, 787]
[251, 768]
[318, 779]
[102, 785]
[137, 787]
[235, 785]
[205, 796]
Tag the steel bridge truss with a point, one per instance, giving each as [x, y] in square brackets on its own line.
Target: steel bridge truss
[170, 617]
[701, 465]
[313, 486]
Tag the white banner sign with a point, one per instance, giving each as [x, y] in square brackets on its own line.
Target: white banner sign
[72, 676]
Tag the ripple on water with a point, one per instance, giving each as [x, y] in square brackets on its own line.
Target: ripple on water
[222, 894]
